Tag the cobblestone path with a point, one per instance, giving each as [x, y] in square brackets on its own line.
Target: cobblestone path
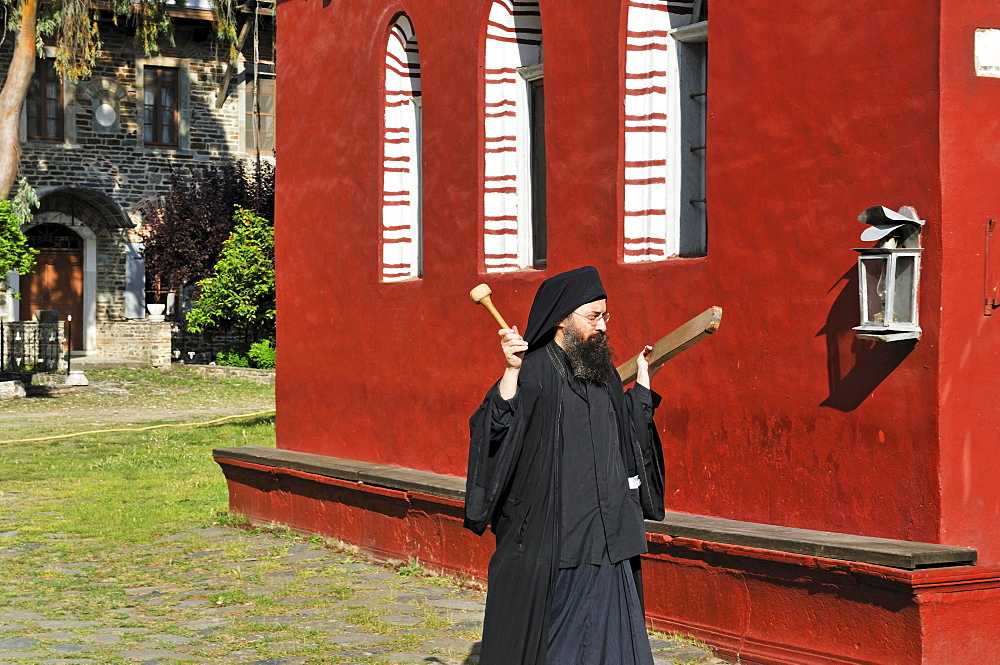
[225, 595]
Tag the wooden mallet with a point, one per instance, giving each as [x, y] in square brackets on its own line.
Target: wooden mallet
[481, 296]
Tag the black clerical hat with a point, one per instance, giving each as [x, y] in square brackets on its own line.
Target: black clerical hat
[557, 297]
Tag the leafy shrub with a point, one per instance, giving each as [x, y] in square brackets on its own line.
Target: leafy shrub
[15, 254]
[232, 358]
[262, 354]
[240, 292]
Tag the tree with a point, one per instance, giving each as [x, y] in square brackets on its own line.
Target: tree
[15, 254]
[187, 228]
[240, 292]
[73, 25]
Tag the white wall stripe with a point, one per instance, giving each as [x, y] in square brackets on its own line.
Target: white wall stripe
[513, 38]
[400, 149]
[651, 186]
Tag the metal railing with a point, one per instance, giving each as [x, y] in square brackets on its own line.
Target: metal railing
[34, 346]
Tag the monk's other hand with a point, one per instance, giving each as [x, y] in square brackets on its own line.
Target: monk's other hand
[513, 346]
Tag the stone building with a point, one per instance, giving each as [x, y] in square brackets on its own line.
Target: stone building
[98, 149]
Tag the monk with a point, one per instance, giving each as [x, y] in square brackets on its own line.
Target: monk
[564, 466]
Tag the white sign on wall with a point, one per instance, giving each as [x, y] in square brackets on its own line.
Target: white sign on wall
[988, 52]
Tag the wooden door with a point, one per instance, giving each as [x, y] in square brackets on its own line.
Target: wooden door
[56, 283]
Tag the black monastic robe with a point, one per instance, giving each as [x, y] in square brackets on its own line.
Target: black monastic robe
[514, 487]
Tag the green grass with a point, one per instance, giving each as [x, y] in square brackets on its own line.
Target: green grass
[118, 397]
[127, 488]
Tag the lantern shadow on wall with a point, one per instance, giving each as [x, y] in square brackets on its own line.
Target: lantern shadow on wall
[882, 284]
[873, 361]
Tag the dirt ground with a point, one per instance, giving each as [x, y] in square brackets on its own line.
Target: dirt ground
[133, 396]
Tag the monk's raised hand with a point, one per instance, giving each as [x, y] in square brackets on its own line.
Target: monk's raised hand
[513, 346]
[644, 373]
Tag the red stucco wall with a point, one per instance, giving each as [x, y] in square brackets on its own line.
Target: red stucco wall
[783, 416]
[970, 341]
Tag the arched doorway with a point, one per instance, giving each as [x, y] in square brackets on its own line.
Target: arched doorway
[56, 283]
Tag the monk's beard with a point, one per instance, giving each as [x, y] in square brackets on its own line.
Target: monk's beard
[590, 359]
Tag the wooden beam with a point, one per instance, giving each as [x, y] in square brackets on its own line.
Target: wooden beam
[673, 343]
[227, 75]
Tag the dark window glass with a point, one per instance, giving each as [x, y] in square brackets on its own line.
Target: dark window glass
[264, 131]
[537, 121]
[45, 103]
[53, 236]
[160, 95]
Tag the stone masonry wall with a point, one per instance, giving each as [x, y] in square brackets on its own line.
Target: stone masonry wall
[144, 341]
[114, 162]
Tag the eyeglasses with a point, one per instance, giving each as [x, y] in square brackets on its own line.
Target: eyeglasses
[592, 319]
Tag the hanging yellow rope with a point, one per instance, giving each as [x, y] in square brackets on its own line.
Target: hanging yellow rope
[137, 429]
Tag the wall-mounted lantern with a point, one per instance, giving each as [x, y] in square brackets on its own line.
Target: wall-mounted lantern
[889, 273]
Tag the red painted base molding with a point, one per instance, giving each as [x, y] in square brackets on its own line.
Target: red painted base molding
[753, 605]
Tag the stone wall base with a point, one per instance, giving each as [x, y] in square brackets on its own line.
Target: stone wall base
[139, 340]
[753, 605]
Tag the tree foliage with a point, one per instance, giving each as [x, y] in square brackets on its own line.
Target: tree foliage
[187, 228]
[15, 254]
[240, 292]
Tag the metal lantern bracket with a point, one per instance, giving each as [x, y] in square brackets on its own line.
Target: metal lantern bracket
[889, 274]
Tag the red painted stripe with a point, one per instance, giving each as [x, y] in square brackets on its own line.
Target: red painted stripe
[636, 34]
[402, 227]
[511, 40]
[500, 218]
[495, 178]
[502, 5]
[673, 9]
[389, 169]
[647, 75]
[649, 129]
[500, 80]
[399, 193]
[506, 102]
[396, 104]
[638, 92]
[647, 162]
[397, 130]
[500, 26]
[395, 241]
[648, 239]
[503, 114]
[644, 213]
[400, 62]
[395, 267]
[644, 181]
[397, 141]
[387, 204]
[646, 47]
[397, 159]
[501, 190]
[510, 149]
[648, 116]
[399, 72]
[502, 70]
[500, 139]
[644, 252]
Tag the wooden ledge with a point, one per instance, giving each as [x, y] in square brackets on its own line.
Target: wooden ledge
[381, 475]
[900, 554]
[825, 544]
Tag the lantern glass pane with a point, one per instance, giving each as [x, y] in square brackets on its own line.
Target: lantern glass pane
[873, 282]
[902, 298]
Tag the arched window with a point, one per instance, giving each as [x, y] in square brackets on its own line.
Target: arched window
[514, 234]
[666, 93]
[401, 166]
